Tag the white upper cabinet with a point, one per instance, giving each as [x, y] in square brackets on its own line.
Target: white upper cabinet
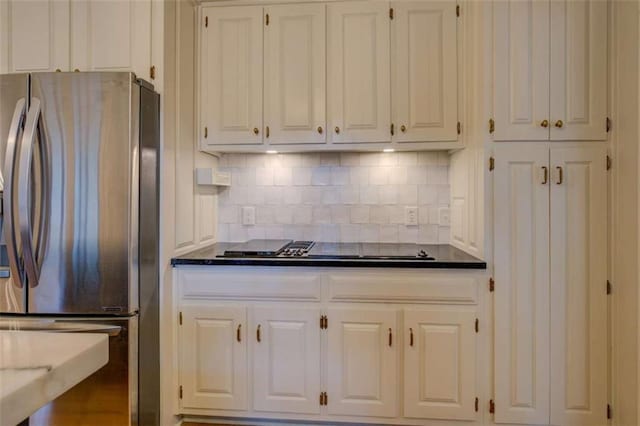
[578, 69]
[294, 73]
[521, 220]
[286, 360]
[439, 364]
[359, 72]
[231, 75]
[550, 70]
[578, 277]
[111, 36]
[34, 36]
[424, 71]
[521, 70]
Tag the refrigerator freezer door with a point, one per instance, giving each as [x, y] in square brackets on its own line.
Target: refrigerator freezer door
[87, 249]
[13, 104]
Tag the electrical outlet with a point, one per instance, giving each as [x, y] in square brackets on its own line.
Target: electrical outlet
[249, 215]
[444, 216]
[411, 216]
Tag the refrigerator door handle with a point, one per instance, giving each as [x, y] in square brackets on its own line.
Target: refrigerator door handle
[8, 195]
[24, 195]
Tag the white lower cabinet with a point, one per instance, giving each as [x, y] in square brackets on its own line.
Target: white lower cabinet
[286, 359]
[362, 357]
[439, 364]
[213, 357]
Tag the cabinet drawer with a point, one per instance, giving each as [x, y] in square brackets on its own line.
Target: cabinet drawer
[403, 287]
[250, 283]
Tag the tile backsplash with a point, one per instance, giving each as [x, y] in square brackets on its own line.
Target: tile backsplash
[337, 197]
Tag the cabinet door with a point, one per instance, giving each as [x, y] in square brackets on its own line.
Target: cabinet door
[362, 362]
[579, 69]
[521, 69]
[111, 36]
[359, 72]
[34, 36]
[213, 357]
[286, 360]
[439, 364]
[231, 75]
[295, 68]
[578, 290]
[425, 72]
[521, 226]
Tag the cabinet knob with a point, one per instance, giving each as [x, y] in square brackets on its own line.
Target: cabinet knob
[403, 128]
[255, 130]
[320, 129]
[545, 123]
[58, 70]
[76, 70]
[337, 130]
[559, 124]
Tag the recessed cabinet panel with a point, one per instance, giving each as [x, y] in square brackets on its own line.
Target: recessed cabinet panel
[34, 36]
[359, 72]
[439, 364]
[231, 75]
[521, 70]
[424, 71]
[286, 360]
[578, 70]
[295, 89]
[521, 225]
[578, 273]
[213, 360]
[362, 362]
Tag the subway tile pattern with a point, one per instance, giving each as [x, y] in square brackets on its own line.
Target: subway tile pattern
[342, 197]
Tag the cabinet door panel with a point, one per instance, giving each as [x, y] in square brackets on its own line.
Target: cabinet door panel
[359, 72]
[521, 69]
[111, 36]
[362, 366]
[295, 88]
[425, 71]
[286, 365]
[34, 36]
[213, 363]
[231, 75]
[578, 276]
[579, 69]
[521, 226]
[439, 364]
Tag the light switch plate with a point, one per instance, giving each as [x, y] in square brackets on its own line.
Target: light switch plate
[249, 215]
[411, 216]
[444, 216]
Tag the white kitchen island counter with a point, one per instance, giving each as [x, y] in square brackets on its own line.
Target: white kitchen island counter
[37, 367]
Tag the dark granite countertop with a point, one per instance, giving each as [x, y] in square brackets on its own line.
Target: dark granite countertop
[445, 257]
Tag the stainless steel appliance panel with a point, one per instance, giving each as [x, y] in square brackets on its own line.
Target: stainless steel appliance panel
[86, 255]
[14, 90]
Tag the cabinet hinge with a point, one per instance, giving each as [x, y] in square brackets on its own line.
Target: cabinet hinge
[459, 127]
[608, 124]
[609, 162]
[458, 14]
[492, 163]
[152, 72]
[609, 287]
[266, 19]
[477, 405]
[492, 125]
[477, 325]
[180, 392]
[492, 284]
[206, 21]
[609, 413]
[391, 13]
[206, 132]
[492, 406]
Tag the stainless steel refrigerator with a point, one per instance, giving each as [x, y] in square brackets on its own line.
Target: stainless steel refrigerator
[79, 159]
